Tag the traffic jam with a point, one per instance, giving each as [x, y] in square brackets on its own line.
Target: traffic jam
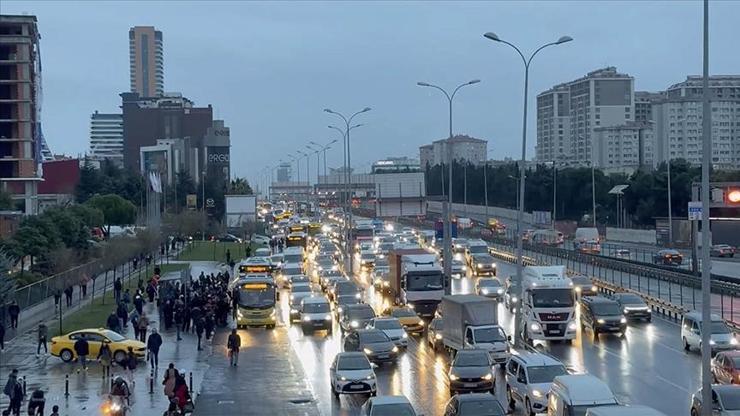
[372, 324]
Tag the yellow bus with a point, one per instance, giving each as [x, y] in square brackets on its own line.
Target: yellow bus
[256, 302]
[296, 240]
[255, 265]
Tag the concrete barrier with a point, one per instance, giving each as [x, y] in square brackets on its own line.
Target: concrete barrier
[631, 236]
[478, 212]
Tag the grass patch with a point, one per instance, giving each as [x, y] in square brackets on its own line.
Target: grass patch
[212, 251]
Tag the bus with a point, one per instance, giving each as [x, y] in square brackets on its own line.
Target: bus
[255, 265]
[257, 297]
[314, 229]
[296, 240]
[297, 228]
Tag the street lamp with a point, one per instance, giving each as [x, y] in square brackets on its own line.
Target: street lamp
[448, 212]
[324, 148]
[348, 167]
[308, 175]
[520, 213]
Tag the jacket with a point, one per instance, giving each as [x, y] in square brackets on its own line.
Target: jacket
[154, 342]
[112, 322]
[234, 342]
[105, 355]
[82, 347]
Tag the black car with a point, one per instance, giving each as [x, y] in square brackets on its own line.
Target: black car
[229, 238]
[483, 265]
[374, 343]
[668, 257]
[345, 287]
[475, 404]
[471, 371]
[633, 307]
[355, 317]
[602, 315]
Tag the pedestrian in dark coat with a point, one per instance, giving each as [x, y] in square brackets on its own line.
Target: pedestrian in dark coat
[113, 323]
[117, 287]
[139, 304]
[152, 346]
[105, 356]
[151, 291]
[131, 363]
[199, 328]
[82, 349]
[68, 295]
[209, 325]
[43, 333]
[168, 314]
[14, 310]
[122, 314]
[2, 336]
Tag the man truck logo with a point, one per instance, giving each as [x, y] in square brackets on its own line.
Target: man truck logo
[218, 157]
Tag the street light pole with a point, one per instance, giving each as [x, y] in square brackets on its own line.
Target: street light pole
[203, 198]
[554, 191]
[520, 212]
[593, 193]
[706, 266]
[447, 215]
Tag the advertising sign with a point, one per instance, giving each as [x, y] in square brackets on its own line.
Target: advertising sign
[192, 201]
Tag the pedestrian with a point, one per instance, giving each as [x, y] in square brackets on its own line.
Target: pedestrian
[199, 328]
[82, 349]
[68, 295]
[143, 326]
[43, 333]
[181, 390]
[36, 403]
[122, 314]
[151, 291]
[112, 322]
[117, 286]
[179, 311]
[228, 256]
[248, 250]
[136, 263]
[12, 378]
[14, 310]
[83, 286]
[126, 297]
[233, 344]
[131, 363]
[172, 410]
[169, 312]
[2, 335]
[105, 357]
[169, 381]
[273, 244]
[186, 319]
[16, 398]
[139, 304]
[54, 410]
[152, 346]
[134, 318]
[209, 325]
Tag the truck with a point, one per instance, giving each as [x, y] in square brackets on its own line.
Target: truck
[471, 321]
[416, 279]
[587, 240]
[548, 304]
[439, 229]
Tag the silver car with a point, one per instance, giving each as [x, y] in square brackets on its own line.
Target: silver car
[725, 401]
[393, 328]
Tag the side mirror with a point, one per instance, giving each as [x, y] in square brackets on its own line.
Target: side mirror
[508, 337]
[521, 380]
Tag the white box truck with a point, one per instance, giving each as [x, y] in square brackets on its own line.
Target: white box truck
[416, 279]
[548, 304]
[471, 321]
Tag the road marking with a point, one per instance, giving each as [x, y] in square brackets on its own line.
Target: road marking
[665, 380]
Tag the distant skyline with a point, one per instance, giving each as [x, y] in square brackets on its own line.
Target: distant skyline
[270, 68]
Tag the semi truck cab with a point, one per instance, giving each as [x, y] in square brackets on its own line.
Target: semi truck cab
[548, 304]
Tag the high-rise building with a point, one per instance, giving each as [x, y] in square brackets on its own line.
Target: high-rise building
[146, 61]
[678, 121]
[106, 137]
[644, 105]
[624, 148]
[21, 140]
[463, 149]
[284, 172]
[568, 113]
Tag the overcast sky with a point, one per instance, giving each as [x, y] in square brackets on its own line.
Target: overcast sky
[269, 69]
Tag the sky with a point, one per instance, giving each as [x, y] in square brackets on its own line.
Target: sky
[270, 68]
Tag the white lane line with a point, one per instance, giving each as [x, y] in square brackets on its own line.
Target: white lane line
[665, 380]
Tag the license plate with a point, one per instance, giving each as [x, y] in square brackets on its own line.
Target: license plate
[356, 387]
[383, 356]
[470, 385]
[553, 331]
[318, 324]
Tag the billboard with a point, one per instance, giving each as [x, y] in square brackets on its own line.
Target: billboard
[240, 209]
[217, 161]
[400, 194]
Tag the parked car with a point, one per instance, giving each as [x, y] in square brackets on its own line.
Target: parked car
[722, 250]
[62, 346]
[668, 257]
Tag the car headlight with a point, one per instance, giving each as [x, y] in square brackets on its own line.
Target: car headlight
[293, 310]
[500, 291]
[358, 296]
[354, 324]
[292, 297]
[488, 376]
[464, 268]
[306, 319]
[493, 265]
[484, 291]
[335, 267]
[367, 350]
[339, 309]
[594, 289]
[369, 377]
[733, 341]
[321, 268]
[537, 393]
[578, 289]
[437, 336]
[572, 326]
[535, 327]
[395, 349]
[405, 335]
[386, 284]
[343, 378]
[625, 310]
[601, 321]
[711, 342]
[239, 314]
[623, 320]
[327, 317]
[453, 377]
[480, 265]
[514, 299]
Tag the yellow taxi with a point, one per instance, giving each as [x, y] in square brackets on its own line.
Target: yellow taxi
[63, 346]
[408, 318]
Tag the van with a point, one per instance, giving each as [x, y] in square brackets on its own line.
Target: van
[572, 395]
[624, 411]
[721, 338]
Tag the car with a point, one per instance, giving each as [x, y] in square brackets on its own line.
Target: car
[470, 371]
[374, 343]
[722, 250]
[260, 240]
[315, 315]
[633, 306]
[722, 337]
[229, 238]
[298, 292]
[668, 257]
[434, 333]
[393, 328]
[295, 279]
[326, 280]
[459, 269]
[367, 261]
[600, 314]
[355, 317]
[262, 252]
[277, 261]
[345, 287]
[622, 253]
[62, 346]
[408, 318]
[490, 288]
[341, 302]
[725, 401]
[387, 406]
[529, 376]
[483, 265]
[476, 404]
[726, 367]
[352, 373]
[584, 286]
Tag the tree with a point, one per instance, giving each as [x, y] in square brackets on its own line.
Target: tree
[116, 210]
[186, 223]
[6, 202]
[240, 186]
[7, 283]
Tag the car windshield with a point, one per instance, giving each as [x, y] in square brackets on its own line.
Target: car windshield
[113, 336]
[478, 249]
[301, 288]
[316, 307]
[404, 313]
[484, 259]
[394, 409]
[471, 359]
[386, 246]
[631, 299]
[290, 270]
[387, 324]
[735, 362]
[345, 287]
[372, 337]
[606, 308]
[730, 399]
[298, 278]
[489, 283]
[381, 263]
[552, 298]
[361, 313]
[719, 327]
[326, 263]
[347, 300]
[581, 281]
[489, 335]
[483, 407]
[367, 256]
[293, 258]
[353, 363]
[545, 373]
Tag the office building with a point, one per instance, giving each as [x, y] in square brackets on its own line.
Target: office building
[624, 148]
[284, 173]
[462, 148]
[426, 155]
[644, 105]
[568, 113]
[146, 61]
[678, 121]
[106, 137]
[21, 140]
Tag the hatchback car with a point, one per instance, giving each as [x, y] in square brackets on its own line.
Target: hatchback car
[476, 404]
[633, 306]
[374, 343]
[352, 373]
[483, 265]
[725, 401]
[726, 367]
[354, 317]
[63, 346]
[584, 286]
[668, 257]
[471, 371]
[387, 406]
[490, 288]
[408, 318]
[722, 250]
[393, 328]
[602, 315]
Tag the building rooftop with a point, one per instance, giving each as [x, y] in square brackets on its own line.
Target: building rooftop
[462, 138]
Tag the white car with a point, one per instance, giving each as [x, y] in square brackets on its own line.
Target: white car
[528, 379]
[260, 239]
[262, 252]
[387, 405]
[352, 373]
[393, 329]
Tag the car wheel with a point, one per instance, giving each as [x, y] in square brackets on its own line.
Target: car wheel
[336, 393]
[686, 345]
[452, 392]
[510, 399]
[66, 356]
[694, 412]
[119, 356]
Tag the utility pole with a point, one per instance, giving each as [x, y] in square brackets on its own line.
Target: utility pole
[706, 266]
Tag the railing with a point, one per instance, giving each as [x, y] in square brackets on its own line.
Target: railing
[37, 292]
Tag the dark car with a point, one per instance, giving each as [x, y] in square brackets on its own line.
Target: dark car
[471, 371]
[345, 287]
[722, 250]
[355, 317]
[374, 343]
[483, 265]
[342, 302]
[584, 286]
[602, 315]
[229, 238]
[668, 257]
[633, 306]
[476, 404]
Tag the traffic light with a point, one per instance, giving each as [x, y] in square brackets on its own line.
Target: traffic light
[733, 196]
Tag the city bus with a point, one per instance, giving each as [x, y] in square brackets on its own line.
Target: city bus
[314, 229]
[255, 265]
[296, 240]
[257, 297]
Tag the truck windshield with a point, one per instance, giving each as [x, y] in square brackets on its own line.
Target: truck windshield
[552, 298]
[545, 373]
[260, 298]
[489, 335]
[424, 281]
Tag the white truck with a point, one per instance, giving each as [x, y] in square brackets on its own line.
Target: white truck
[587, 240]
[548, 304]
[471, 321]
[415, 278]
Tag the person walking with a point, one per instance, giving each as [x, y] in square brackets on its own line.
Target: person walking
[105, 357]
[126, 298]
[2, 335]
[181, 391]
[16, 398]
[134, 318]
[14, 310]
[82, 349]
[233, 343]
[178, 315]
[143, 326]
[248, 250]
[199, 328]
[117, 287]
[139, 304]
[10, 384]
[83, 286]
[54, 411]
[122, 314]
[131, 363]
[43, 333]
[169, 381]
[209, 325]
[112, 322]
[152, 346]
[36, 403]
[68, 292]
